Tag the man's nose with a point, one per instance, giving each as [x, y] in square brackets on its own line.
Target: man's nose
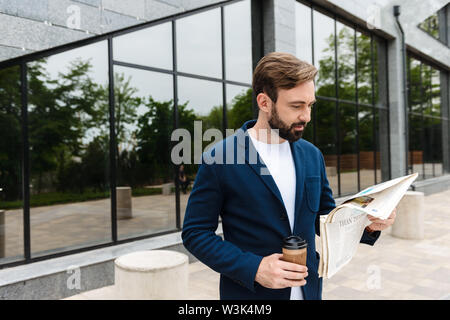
[305, 116]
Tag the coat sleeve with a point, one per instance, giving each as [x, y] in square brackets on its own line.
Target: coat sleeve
[200, 223]
[327, 204]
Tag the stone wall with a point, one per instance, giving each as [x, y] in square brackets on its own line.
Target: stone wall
[33, 25]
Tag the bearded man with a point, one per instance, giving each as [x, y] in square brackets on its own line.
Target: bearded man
[282, 193]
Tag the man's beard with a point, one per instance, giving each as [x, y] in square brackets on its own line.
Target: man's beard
[284, 131]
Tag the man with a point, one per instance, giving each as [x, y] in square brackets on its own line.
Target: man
[260, 202]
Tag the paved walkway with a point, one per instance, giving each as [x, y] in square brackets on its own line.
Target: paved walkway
[392, 269]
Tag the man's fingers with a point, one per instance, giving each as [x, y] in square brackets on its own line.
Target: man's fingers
[379, 221]
[293, 283]
[294, 275]
[289, 266]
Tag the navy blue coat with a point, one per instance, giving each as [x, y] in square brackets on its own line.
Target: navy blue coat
[254, 218]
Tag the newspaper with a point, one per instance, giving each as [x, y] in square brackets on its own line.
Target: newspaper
[341, 230]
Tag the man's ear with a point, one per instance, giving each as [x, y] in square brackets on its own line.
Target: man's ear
[264, 102]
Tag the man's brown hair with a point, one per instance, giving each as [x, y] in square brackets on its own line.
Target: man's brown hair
[278, 70]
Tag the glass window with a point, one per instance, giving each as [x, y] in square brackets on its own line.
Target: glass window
[437, 146]
[416, 144]
[366, 147]
[239, 106]
[326, 141]
[238, 42]
[426, 89]
[359, 54]
[364, 68]
[144, 124]
[377, 99]
[149, 47]
[382, 137]
[199, 44]
[308, 134]
[428, 147]
[11, 199]
[324, 54]
[349, 157]
[199, 100]
[346, 61]
[68, 115]
[425, 119]
[414, 76]
[435, 93]
[303, 32]
[204, 98]
[431, 25]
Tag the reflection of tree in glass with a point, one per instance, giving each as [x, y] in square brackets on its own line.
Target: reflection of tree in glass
[424, 100]
[240, 110]
[346, 63]
[153, 142]
[61, 113]
[364, 66]
[213, 119]
[346, 78]
[431, 25]
[69, 134]
[126, 104]
[11, 134]
[325, 81]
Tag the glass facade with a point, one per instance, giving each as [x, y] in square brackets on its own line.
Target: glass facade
[143, 124]
[345, 124]
[68, 131]
[98, 122]
[426, 119]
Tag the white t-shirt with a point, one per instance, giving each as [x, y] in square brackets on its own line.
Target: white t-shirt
[279, 162]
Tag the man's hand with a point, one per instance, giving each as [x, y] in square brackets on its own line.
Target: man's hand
[379, 224]
[275, 273]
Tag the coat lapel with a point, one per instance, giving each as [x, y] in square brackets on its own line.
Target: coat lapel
[299, 161]
[252, 158]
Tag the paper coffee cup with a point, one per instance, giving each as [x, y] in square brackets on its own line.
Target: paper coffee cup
[295, 250]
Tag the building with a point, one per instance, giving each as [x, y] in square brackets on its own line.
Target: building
[91, 90]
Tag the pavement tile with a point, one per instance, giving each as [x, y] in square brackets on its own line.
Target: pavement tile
[409, 269]
[429, 292]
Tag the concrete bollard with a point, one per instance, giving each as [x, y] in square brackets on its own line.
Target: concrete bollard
[152, 275]
[124, 208]
[409, 222]
[331, 171]
[2, 234]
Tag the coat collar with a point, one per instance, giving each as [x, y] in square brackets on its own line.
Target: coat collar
[257, 164]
